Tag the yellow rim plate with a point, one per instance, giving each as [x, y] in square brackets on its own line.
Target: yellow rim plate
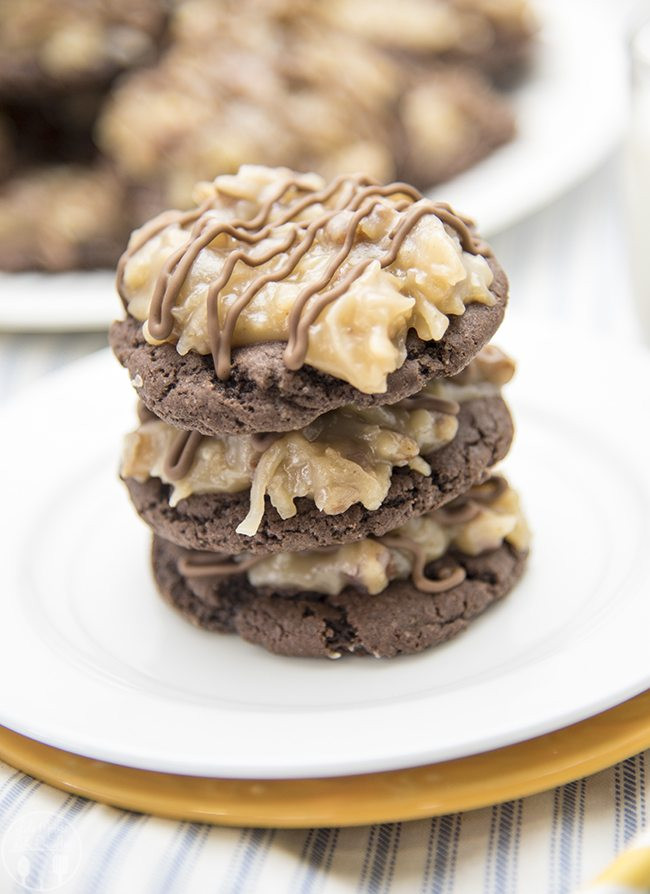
[448, 787]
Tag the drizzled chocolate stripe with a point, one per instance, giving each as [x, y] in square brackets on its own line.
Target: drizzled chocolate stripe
[419, 579]
[466, 507]
[354, 193]
[298, 343]
[458, 514]
[463, 227]
[221, 341]
[220, 565]
[430, 402]
[171, 280]
[459, 511]
[151, 229]
[181, 454]
[197, 565]
[489, 491]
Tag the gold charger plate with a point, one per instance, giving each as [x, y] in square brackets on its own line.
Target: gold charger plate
[464, 784]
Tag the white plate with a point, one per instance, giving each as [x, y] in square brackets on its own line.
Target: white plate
[94, 662]
[77, 301]
[570, 113]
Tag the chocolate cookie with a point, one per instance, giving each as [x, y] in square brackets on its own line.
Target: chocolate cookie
[261, 394]
[208, 521]
[62, 217]
[492, 37]
[52, 46]
[449, 121]
[400, 620]
[7, 147]
[507, 40]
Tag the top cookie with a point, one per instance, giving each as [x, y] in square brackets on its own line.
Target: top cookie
[280, 296]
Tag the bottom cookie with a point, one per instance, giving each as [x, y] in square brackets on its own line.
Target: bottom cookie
[397, 621]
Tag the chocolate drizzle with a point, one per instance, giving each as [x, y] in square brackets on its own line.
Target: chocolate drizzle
[466, 507]
[456, 574]
[181, 454]
[432, 403]
[459, 511]
[140, 238]
[463, 227]
[488, 491]
[198, 564]
[458, 514]
[352, 193]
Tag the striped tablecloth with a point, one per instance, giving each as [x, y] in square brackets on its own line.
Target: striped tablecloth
[567, 264]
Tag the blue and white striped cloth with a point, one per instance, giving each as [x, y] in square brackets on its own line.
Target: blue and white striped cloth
[546, 843]
[567, 265]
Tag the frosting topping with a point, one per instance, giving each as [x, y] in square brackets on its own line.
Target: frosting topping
[479, 521]
[341, 458]
[340, 272]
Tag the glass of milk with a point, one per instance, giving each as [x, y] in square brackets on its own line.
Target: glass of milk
[638, 175]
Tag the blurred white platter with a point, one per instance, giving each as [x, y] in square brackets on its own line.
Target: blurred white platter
[570, 113]
[79, 301]
[99, 665]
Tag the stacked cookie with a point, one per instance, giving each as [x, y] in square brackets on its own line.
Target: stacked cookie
[320, 413]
